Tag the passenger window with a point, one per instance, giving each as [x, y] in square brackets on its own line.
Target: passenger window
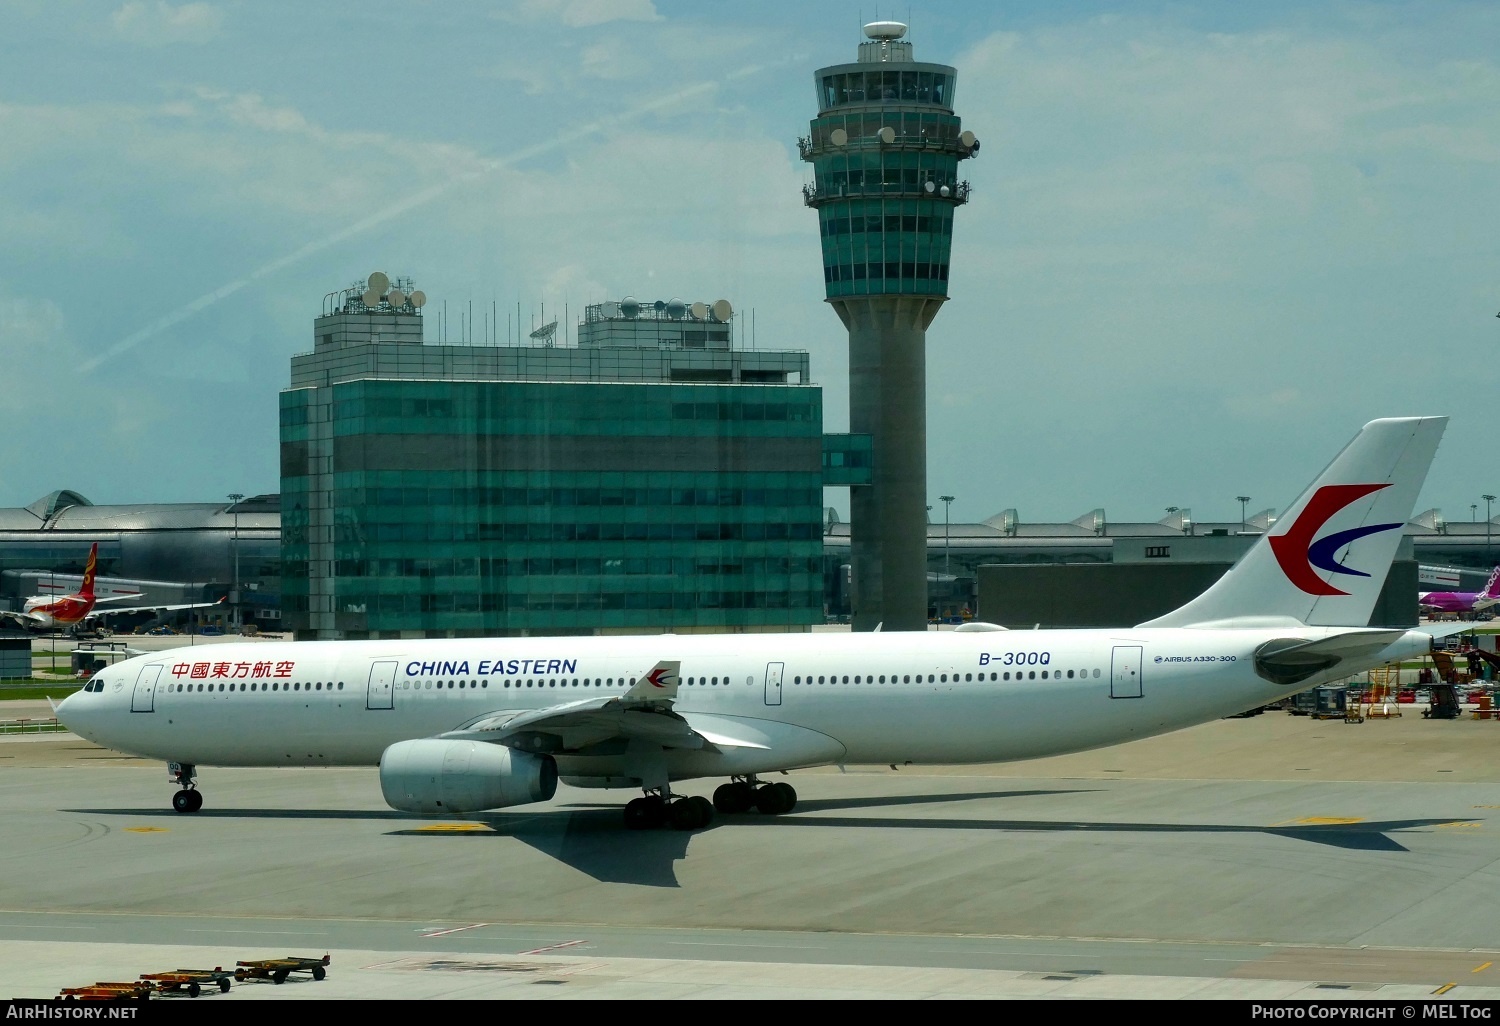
[906, 679]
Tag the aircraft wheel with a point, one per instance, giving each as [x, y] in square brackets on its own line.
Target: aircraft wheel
[734, 798]
[690, 813]
[705, 809]
[788, 796]
[187, 801]
[774, 799]
[645, 813]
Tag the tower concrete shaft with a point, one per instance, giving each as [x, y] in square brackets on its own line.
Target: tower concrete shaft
[885, 148]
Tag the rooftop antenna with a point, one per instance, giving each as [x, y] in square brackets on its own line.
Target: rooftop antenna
[545, 332]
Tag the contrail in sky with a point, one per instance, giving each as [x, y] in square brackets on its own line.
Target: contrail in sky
[413, 201]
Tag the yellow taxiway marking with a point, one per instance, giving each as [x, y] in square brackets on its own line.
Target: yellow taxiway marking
[1445, 988]
[145, 830]
[1482, 968]
[451, 828]
[1484, 806]
[1323, 821]
[1459, 824]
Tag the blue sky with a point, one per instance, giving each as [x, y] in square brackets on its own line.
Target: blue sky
[1206, 242]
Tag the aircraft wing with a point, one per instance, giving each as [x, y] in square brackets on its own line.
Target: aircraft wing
[23, 619]
[96, 612]
[644, 712]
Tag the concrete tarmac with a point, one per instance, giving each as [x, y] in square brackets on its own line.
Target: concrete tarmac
[1267, 857]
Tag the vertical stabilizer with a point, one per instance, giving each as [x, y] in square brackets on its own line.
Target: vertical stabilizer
[87, 590]
[1492, 589]
[1328, 561]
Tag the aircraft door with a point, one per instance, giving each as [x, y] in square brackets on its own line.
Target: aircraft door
[381, 694]
[143, 698]
[773, 683]
[1125, 672]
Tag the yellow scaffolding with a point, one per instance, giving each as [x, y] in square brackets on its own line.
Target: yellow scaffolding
[1380, 699]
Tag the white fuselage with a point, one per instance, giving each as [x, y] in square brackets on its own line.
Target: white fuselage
[792, 699]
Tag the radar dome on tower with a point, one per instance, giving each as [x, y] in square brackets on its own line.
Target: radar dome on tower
[885, 30]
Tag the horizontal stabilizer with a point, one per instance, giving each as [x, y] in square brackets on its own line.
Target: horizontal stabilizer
[1293, 660]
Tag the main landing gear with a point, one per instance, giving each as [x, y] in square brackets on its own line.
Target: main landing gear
[659, 808]
[188, 799]
[745, 793]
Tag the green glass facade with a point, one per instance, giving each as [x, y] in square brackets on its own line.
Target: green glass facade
[885, 148]
[437, 508]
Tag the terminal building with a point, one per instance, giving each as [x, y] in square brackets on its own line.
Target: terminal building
[1085, 572]
[177, 552]
[651, 477]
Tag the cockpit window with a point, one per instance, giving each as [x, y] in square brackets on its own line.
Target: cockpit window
[95, 685]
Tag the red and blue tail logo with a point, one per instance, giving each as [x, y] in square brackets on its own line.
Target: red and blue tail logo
[1301, 554]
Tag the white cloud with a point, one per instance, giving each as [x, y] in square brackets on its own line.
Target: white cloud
[582, 13]
[159, 23]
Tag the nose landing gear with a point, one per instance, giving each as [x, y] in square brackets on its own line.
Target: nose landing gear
[188, 799]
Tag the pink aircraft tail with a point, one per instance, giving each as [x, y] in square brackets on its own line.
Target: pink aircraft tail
[1492, 589]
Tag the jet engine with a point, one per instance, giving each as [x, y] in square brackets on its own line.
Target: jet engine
[437, 776]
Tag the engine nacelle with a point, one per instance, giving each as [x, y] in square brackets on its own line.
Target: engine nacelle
[435, 776]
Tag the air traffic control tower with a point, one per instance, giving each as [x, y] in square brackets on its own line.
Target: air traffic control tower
[885, 148]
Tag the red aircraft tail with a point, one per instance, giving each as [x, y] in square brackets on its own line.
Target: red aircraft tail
[87, 590]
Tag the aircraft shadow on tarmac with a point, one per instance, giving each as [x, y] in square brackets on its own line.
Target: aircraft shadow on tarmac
[591, 838]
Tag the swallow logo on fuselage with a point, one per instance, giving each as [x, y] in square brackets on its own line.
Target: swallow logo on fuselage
[1301, 554]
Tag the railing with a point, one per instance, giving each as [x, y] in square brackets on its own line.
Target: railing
[813, 196]
[29, 725]
[807, 148]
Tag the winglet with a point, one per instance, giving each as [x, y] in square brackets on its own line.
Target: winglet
[659, 684]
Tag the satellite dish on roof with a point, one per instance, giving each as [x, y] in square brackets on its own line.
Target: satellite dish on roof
[944, 191]
[545, 332]
[378, 283]
[630, 307]
[722, 309]
[610, 309]
[885, 30]
[676, 308]
[887, 135]
[659, 306]
[396, 297]
[929, 186]
[370, 298]
[699, 311]
[418, 299]
[838, 137]
[967, 138]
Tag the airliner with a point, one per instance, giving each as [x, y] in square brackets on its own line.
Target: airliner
[1462, 601]
[465, 726]
[51, 612]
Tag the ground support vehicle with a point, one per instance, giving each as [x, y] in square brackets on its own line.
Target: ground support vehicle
[278, 969]
[191, 980]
